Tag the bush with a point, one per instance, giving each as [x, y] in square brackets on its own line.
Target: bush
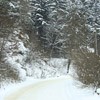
[87, 66]
[8, 74]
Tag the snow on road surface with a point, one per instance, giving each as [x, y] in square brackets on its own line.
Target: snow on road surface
[62, 88]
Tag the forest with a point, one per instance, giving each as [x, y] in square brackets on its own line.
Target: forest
[37, 30]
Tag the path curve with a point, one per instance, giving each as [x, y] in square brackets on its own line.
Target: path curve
[43, 90]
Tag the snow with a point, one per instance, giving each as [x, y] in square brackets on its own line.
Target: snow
[12, 5]
[98, 90]
[22, 47]
[90, 49]
[49, 68]
[44, 22]
[38, 68]
[17, 66]
[61, 88]
[13, 87]
[54, 87]
[13, 56]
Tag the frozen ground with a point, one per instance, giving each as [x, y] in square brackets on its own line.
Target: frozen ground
[61, 88]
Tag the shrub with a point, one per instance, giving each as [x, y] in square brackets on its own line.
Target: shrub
[8, 74]
[87, 66]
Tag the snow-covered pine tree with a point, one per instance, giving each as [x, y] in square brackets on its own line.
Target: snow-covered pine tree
[92, 9]
[49, 18]
[39, 16]
[8, 19]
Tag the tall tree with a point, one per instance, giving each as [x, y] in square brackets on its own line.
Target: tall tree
[49, 17]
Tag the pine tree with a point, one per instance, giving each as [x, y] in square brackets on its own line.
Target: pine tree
[48, 17]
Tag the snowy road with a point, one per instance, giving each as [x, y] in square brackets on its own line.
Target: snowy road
[53, 89]
[45, 90]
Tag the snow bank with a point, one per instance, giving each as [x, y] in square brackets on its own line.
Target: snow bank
[16, 53]
[49, 68]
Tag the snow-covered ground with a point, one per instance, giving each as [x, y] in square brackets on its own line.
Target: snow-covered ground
[60, 88]
[47, 81]
[53, 67]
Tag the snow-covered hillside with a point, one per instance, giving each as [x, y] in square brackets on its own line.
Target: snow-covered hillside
[17, 56]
